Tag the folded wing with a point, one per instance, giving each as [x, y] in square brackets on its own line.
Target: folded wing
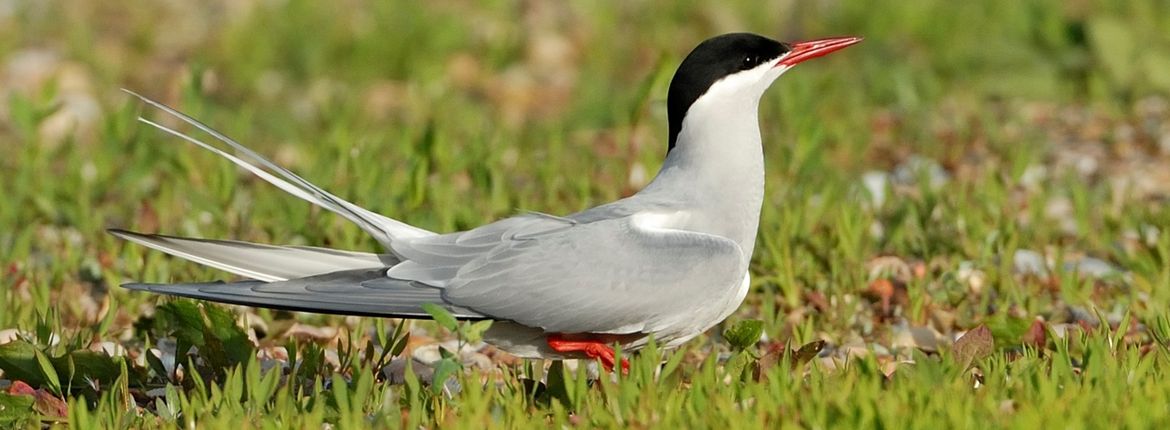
[620, 275]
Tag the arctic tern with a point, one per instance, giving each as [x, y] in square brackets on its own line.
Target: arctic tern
[668, 262]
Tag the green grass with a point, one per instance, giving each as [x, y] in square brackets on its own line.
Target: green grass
[448, 116]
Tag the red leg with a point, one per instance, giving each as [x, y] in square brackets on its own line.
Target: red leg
[592, 349]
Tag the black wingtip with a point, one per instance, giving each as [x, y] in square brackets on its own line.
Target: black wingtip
[172, 289]
[137, 286]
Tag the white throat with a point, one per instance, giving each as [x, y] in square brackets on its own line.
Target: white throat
[715, 172]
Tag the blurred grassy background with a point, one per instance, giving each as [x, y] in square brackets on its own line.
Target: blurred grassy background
[956, 135]
[449, 115]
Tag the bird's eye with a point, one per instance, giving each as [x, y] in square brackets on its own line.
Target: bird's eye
[750, 61]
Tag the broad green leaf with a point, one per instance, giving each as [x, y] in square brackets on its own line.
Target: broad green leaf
[382, 336]
[212, 329]
[15, 409]
[744, 334]
[473, 332]
[673, 360]
[222, 327]
[738, 364]
[557, 386]
[441, 316]
[400, 343]
[341, 394]
[18, 361]
[444, 369]
[181, 319]
[156, 364]
[411, 380]
[81, 365]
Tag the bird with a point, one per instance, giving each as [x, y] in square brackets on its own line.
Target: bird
[666, 263]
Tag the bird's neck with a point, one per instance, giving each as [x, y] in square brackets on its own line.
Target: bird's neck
[716, 170]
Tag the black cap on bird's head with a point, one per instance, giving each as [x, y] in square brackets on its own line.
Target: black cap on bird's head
[729, 54]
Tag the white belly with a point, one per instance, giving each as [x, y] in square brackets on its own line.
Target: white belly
[530, 342]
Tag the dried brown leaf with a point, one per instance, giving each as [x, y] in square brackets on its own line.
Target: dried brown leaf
[44, 402]
[769, 359]
[778, 351]
[1037, 335]
[974, 345]
[20, 388]
[50, 405]
[807, 352]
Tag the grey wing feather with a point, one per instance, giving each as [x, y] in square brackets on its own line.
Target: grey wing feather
[607, 276]
[365, 292]
[258, 261]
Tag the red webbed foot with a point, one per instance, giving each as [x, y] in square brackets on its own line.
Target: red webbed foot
[594, 349]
